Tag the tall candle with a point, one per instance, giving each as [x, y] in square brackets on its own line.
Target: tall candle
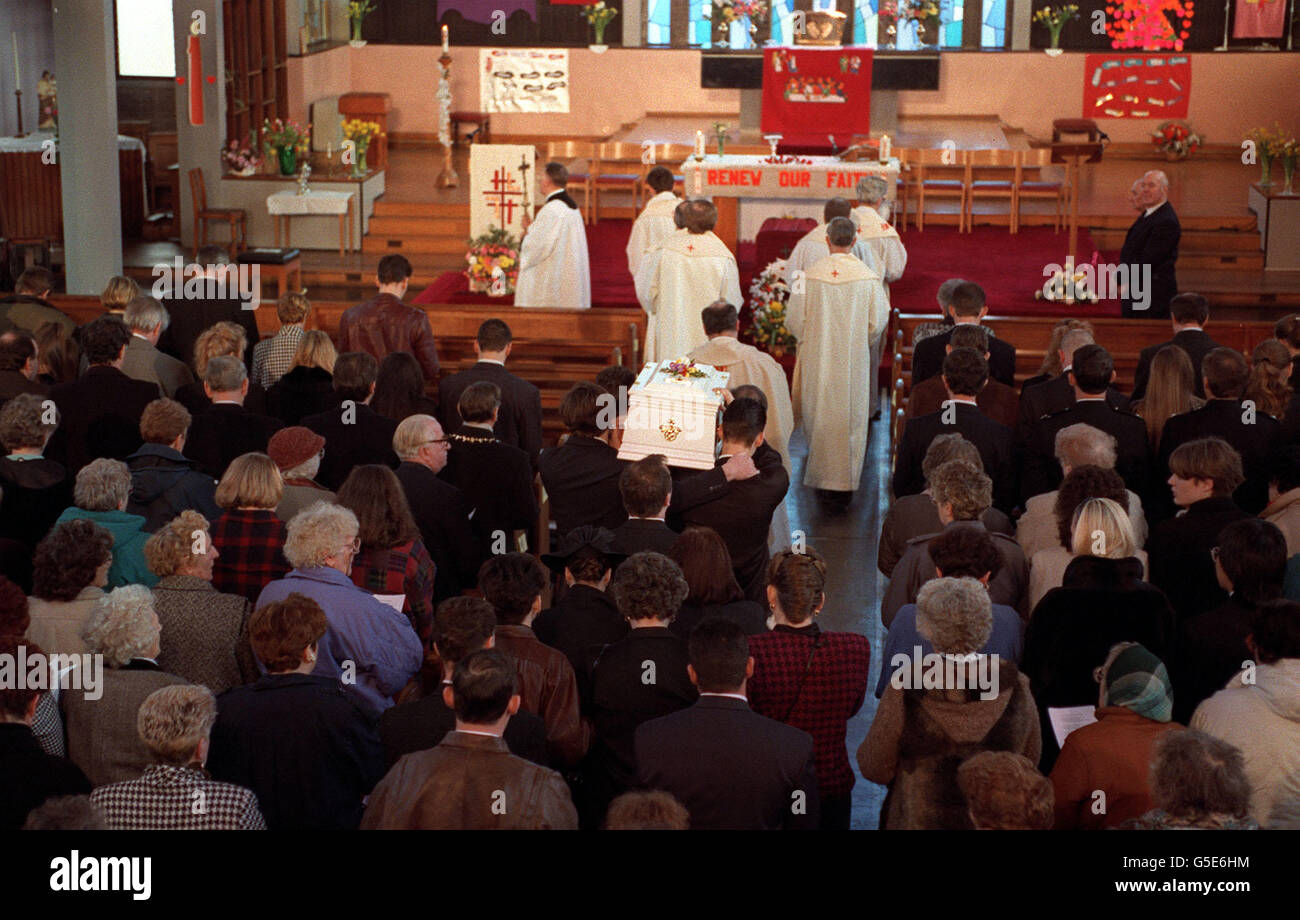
[699, 143]
[446, 41]
[886, 147]
[17, 79]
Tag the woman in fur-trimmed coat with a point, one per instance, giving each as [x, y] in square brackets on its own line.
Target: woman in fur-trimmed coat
[921, 736]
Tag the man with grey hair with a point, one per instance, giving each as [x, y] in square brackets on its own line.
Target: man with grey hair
[226, 430]
[441, 511]
[812, 246]
[878, 240]
[839, 314]
[1150, 251]
[962, 494]
[147, 319]
[912, 516]
[692, 269]
[1076, 445]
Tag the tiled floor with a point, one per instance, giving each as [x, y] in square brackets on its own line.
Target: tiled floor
[848, 541]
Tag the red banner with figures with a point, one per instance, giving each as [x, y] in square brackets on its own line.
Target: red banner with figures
[1136, 85]
[811, 95]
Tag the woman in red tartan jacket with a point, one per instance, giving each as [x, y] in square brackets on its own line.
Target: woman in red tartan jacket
[392, 559]
[810, 679]
[249, 536]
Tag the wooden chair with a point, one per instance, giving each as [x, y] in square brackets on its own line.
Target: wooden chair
[941, 174]
[670, 155]
[235, 217]
[581, 155]
[1031, 184]
[993, 174]
[618, 169]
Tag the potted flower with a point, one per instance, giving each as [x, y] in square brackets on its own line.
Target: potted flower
[241, 161]
[1175, 139]
[769, 294]
[358, 10]
[1268, 145]
[493, 259]
[598, 16]
[288, 139]
[1055, 20]
[361, 133]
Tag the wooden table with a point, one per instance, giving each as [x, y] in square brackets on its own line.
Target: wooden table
[1279, 226]
[287, 204]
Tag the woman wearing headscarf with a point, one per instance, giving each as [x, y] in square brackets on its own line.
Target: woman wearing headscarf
[1112, 756]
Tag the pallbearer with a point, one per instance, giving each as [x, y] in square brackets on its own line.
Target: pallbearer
[553, 267]
[840, 311]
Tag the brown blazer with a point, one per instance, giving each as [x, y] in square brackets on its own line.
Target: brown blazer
[469, 782]
[547, 688]
[102, 735]
[997, 401]
[204, 633]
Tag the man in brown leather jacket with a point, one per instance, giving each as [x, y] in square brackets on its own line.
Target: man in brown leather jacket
[512, 583]
[384, 324]
[471, 781]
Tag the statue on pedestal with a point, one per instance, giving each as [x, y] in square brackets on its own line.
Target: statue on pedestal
[47, 103]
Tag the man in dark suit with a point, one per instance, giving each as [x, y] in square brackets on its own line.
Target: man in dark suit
[1050, 396]
[732, 768]
[964, 374]
[192, 313]
[647, 489]
[1091, 374]
[441, 511]
[355, 433]
[18, 366]
[497, 478]
[99, 415]
[1150, 251]
[581, 475]
[227, 430]
[519, 422]
[967, 308]
[460, 626]
[1188, 312]
[1255, 435]
[741, 512]
[996, 400]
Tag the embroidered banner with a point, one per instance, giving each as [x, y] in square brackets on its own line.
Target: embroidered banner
[497, 186]
[809, 94]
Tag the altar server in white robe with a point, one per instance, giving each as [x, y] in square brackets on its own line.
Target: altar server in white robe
[812, 247]
[691, 270]
[655, 222]
[554, 270]
[837, 314]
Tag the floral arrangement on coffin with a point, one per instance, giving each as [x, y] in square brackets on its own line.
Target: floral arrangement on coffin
[681, 369]
[769, 294]
[1055, 20]
[240, 160]
[1066, 286]
[493, 261]
[1176, 140]
[598, 16]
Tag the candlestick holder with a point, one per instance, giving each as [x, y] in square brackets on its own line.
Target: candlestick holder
[447, 178]
[18, 101]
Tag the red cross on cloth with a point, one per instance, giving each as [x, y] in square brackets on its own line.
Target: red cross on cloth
[690, 247]
[835, 273]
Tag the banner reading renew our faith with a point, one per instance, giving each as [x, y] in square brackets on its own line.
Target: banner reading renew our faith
[809, 93]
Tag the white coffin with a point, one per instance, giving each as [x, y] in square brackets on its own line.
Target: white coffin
[674, 416]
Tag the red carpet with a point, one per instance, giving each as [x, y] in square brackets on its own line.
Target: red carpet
[1009, 268]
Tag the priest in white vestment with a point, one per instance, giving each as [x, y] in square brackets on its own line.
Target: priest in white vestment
[554, 270]
[878, 244]
[655, 222]
[691, 270]
[812, 247]
[836, 316]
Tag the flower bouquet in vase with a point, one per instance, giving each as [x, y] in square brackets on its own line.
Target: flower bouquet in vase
[360, 133]
[598, 16]
[1176, 140]
[240, 160]
[289, 140]
[493, 261]
[1055, 19]
[1269, 145]
[358, 10]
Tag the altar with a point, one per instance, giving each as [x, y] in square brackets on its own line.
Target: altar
[784, 186]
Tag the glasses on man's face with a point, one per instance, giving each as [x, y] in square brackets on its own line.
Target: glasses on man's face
[443, 441]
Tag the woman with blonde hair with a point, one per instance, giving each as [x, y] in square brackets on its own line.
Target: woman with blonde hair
[1170, 391]
[1269, 385]
[119, 292]
[308, 386]
[205, 632]
[223, 339]
[274, 356]
[249, 536]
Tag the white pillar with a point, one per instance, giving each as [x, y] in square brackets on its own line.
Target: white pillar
[86, 63]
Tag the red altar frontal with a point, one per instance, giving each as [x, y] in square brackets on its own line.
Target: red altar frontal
[814, 95]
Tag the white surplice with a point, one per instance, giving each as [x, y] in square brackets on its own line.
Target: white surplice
[812, 248]
[676, 282]
[841, 310]
[652, 226]
[880, 246]
[554, 270]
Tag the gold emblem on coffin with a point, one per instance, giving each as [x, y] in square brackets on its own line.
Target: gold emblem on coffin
[670, 430]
